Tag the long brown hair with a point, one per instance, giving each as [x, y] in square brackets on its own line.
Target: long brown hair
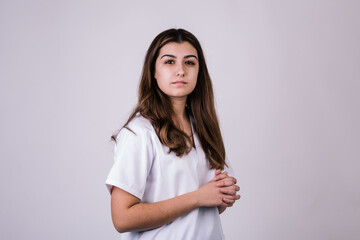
[155, 105]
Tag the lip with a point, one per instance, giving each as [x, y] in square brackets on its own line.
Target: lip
[179, 82]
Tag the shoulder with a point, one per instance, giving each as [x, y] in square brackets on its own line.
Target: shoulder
[138, 126]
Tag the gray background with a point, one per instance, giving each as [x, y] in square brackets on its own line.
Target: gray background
[286, 79]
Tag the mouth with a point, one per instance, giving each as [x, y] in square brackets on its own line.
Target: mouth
[179, 82]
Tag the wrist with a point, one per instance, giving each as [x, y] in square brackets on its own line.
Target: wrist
[195, 198]
[221, 209]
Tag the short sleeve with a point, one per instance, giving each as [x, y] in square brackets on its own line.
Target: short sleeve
[133, 157]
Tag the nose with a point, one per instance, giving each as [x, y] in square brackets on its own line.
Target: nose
[180, 71]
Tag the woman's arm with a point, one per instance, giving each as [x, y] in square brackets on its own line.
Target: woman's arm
[129, 214]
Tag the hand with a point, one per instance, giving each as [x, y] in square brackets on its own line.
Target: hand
[227, 186]
[210, 195]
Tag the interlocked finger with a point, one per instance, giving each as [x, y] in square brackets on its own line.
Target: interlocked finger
[220, 176]
[230, 190]
[229, 201]
[225, 183]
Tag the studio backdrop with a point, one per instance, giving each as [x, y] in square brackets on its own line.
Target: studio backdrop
[286, 80]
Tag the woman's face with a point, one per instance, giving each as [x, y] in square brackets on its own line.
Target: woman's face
[176, 69]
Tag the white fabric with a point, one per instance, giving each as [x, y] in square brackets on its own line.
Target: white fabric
[144, 168]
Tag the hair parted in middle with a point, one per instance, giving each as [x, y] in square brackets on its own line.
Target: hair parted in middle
[155, 105]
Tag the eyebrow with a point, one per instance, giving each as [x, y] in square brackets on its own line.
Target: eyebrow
[187, 56]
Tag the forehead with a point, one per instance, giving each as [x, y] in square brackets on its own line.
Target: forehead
[178, 49]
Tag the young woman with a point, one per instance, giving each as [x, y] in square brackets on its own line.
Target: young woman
[170, 179]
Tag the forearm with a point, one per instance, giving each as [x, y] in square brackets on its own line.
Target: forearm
[129, 214]
[221, 209]
[145, 216]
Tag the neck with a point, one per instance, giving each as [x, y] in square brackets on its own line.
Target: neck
[179, 109]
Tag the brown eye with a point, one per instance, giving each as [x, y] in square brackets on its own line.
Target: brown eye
[169, 62]
[189, 63]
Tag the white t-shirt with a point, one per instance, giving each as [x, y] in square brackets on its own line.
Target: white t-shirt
[144, 168]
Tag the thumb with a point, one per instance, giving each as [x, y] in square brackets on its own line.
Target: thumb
[217, 172]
